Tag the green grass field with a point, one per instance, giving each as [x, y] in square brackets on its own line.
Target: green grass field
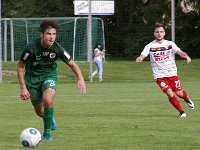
[129, 115]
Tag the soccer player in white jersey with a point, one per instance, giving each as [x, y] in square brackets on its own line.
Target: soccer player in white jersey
[162, 57]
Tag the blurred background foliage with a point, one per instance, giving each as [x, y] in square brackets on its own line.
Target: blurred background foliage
[131, 27]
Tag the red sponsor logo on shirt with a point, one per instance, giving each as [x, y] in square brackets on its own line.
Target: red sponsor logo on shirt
[161, 58]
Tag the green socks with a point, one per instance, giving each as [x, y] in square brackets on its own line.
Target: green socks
[47, 118]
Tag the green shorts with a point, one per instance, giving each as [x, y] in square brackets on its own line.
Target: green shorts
[37, 89]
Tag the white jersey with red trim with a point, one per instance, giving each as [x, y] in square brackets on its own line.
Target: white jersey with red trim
[162, 58]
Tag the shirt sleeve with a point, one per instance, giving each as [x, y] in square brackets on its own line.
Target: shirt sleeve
[145, 51]
[26, 55]
[175, 47]
[64, 55]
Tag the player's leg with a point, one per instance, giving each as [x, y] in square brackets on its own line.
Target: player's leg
[174, 101]
[183, 95]
[39, 110]
[177, 88]
[48, 98]
[49, 90]
[53, 125]
[36, 99]
[164, 84]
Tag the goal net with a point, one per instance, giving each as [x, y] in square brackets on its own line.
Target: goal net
[72, 34]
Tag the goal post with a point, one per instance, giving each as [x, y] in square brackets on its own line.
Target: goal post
[0, 47]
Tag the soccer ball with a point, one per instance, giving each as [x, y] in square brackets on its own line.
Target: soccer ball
[30, 137]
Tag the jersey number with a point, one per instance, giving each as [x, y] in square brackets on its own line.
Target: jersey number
[178, 84]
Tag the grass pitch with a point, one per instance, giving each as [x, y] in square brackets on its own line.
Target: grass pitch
[111, 116]
[127, 111]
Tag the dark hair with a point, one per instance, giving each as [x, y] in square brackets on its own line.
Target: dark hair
[98, 43]
[45, 24]
[158, 25]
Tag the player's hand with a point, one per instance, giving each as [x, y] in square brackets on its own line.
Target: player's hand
[25, 95]
[188, 59]
[81, 85]
[138, 60]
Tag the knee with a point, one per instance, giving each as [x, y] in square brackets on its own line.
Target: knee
[169, 93]
[48, 97]
[179, 93]
[39, 113]
[48, 104]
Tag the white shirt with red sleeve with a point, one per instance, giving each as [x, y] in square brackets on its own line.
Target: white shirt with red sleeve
[162, 58]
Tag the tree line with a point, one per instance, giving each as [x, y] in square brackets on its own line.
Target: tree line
[131, 27]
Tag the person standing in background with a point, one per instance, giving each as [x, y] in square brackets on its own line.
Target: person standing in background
[98, 60]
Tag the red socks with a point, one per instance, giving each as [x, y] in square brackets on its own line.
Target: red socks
[174, 101]
[185, 97]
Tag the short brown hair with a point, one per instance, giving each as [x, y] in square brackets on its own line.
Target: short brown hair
[158, 25]
[45, 24]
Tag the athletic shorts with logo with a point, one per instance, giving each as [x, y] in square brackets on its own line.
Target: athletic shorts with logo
[36, 90]
[169, 82]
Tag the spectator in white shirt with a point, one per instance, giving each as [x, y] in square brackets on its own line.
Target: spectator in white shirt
[98, 59]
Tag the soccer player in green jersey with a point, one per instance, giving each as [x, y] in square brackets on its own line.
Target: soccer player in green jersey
[37, 73]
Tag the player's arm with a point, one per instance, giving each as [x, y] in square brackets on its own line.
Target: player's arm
[184, 55]
[140, 58]
[80, 80]
[74, 67]
[24, 94]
